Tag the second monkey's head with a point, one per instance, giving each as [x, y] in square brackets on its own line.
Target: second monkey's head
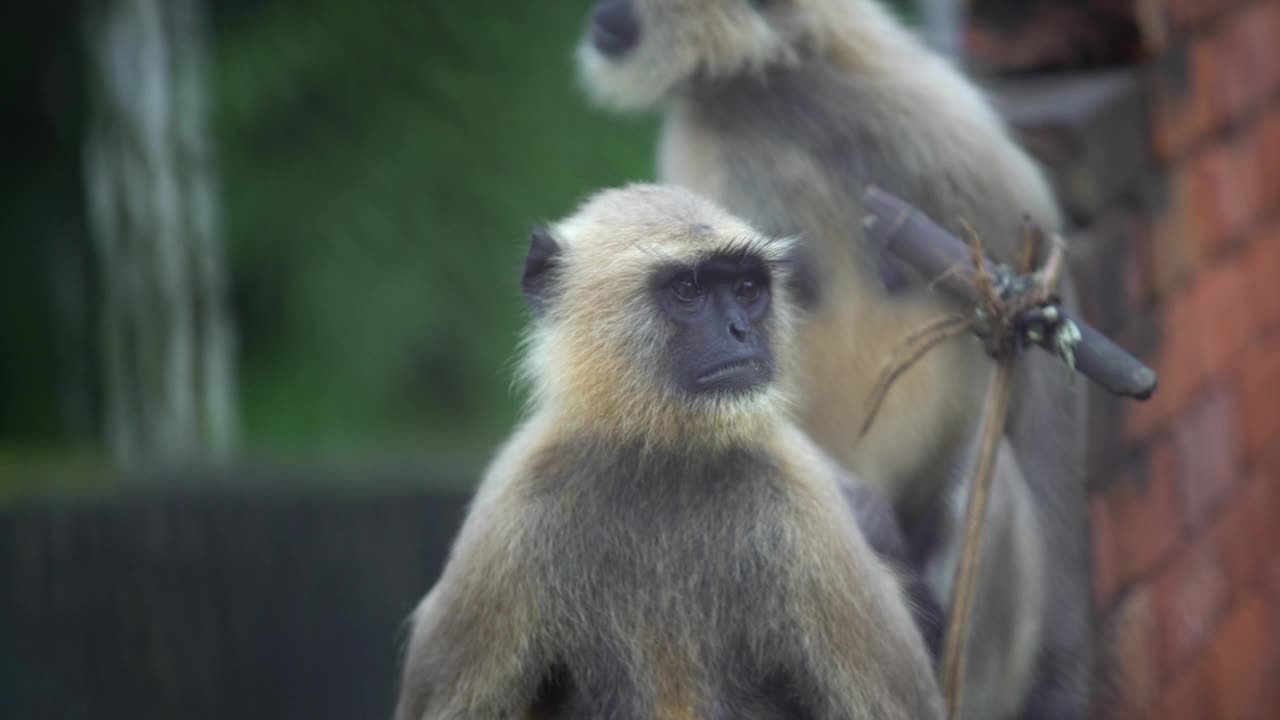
[636, 52]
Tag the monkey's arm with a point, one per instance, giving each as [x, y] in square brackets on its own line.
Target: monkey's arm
[1048, 433]
[879, 524]
[475, 649]
[861, 643]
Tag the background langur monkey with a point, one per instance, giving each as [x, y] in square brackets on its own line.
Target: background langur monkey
[658, 540]
[783, 111]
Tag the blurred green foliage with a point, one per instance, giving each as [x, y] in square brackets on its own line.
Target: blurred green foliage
[380, 165]
[41, 217]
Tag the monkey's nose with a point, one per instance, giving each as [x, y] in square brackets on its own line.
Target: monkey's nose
[614, 27]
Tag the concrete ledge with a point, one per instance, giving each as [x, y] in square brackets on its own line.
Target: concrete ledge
[1089, 130]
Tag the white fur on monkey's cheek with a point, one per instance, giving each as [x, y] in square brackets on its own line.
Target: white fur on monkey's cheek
[626, 84]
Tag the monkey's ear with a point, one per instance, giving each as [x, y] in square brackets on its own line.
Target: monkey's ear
[802, 277]
[537, 283]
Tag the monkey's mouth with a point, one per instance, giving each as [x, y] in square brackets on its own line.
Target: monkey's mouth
[735, 375]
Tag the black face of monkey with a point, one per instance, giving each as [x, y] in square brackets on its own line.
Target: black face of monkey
[719, 308]
[615, 29]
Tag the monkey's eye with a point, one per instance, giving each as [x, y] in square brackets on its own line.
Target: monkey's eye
[685, 289]
[749, 291]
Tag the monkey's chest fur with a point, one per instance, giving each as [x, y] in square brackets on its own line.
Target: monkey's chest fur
[672, 579]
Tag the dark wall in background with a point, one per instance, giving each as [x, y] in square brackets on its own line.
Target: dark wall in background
[215, 604]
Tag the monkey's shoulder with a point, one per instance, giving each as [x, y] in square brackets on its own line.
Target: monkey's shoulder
[779, 136]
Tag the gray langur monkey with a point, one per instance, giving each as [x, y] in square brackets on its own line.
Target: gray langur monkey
[658, 540]
[783, 112]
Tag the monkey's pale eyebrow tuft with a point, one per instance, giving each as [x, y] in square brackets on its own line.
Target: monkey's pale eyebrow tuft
[748, 246]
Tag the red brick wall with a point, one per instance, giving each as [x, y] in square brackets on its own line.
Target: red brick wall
[1181, 262]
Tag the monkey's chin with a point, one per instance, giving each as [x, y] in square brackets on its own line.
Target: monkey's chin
[736, 378]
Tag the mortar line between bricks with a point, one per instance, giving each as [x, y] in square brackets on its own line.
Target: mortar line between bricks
[1225, 131]
[1215, 21]
[1187, 537]
[1163, 564]
[1269, 218]
[1164, 429]
[1267, 331]
[1123, 591]
[1209, 24]
[1197, 653]
[1238, 241]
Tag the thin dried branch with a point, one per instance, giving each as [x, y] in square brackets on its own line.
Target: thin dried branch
[908, 353]
[935, 253]
[994, 416]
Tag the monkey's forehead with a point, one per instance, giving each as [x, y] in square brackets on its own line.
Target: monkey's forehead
[638, 248]
[660, 219]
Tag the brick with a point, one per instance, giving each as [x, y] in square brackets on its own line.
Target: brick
[1226, 320]
[1187, 13]
[1209, 452]
[1226, 180]
[1189, 697]
[1214, 80]
[1270, 460]
[1246, 532]
[1180, 361]
[1241, 46]
[1144, 514]
[1266, 27]
[1189, 597]
[1264, 139]
[1243, 657]
[1262, 276]
[1249, 37]
[1230, 88]
[1133, 640]
[1172, 244]
[1271, 579]
[1105, 548]
[1234, 65]
[1266, 708]
[1259, 409]
[1162, 466]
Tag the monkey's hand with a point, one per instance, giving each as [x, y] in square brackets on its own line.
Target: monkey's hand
[879, 525]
